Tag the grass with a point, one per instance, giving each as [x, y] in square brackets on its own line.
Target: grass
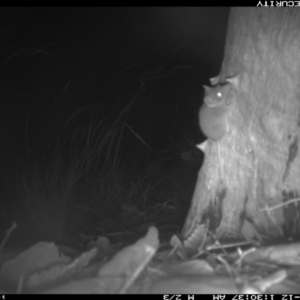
[82, 182]
[46, 191]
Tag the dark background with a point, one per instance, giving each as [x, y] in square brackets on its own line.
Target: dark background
[57, 61]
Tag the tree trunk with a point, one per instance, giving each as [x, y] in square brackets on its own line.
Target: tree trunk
[249, 183]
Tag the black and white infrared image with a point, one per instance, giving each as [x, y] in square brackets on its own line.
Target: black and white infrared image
[150, 150]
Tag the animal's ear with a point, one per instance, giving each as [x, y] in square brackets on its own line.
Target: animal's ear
[214, 80]
[234, 81]
[207, 88]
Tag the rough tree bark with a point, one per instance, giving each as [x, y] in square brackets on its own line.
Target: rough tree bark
[250, 179]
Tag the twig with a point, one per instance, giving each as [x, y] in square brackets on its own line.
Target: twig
[7, 234]
[269, 208]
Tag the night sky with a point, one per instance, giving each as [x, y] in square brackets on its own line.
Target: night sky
[56, 61]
